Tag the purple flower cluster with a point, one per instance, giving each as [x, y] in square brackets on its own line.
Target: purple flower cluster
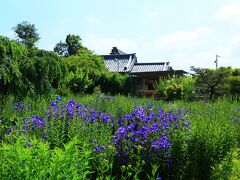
[38, 122]
[19, 107]
[72, 111]
[30, 124]
[33, 124]
[99, 148]
[161, 142]
[149, 130]
[145, 129]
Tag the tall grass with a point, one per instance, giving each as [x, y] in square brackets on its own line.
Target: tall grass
[115, 136]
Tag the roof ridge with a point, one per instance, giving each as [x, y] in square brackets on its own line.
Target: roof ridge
[151, 63]
[119, 54]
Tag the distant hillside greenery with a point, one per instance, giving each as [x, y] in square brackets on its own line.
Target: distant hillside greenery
[26, 70]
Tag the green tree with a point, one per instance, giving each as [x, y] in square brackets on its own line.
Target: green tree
[27, 34]
[211, 82]
[11, 56]
[90, 64]
[73, 44]
[70, 47]
[61, 49]
[43, 71]
[234, 84]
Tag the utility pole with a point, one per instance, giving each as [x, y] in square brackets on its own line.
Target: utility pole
[216, 61]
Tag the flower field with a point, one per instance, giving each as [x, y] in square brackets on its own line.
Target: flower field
[103, 137]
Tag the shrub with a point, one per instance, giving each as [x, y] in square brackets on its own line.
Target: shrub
[34, 159]
[115, 83]
[176, 88]
[78, 82]
[229, 167]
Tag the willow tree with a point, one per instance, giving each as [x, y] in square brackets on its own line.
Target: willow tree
[44, 71]
[11, 56]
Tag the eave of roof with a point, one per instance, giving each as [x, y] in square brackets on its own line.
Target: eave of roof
[181, 72]
[112, 56]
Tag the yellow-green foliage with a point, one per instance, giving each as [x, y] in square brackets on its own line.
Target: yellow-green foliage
[229, 167]
[176, 88]
[35, 160]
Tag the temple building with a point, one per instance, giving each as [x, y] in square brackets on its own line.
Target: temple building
[144, 75]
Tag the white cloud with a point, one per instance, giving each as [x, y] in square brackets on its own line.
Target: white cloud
[181, 39]
[231, 10]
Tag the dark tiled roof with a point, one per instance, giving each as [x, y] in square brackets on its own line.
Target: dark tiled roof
[119, 62]
[150, 67]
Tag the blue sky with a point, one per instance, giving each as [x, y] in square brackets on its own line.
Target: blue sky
[184, 32]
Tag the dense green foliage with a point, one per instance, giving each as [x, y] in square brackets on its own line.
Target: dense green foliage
[29, 71]
[115, 83]
[12, 56]
[88, 69]
[26, 70]
[229, 167]
[176, 88]
[204, 83]
[40, 140]
[214, 83]
[37, 160]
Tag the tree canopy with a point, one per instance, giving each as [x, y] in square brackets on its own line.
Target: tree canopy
[26, 71]
[219, 82]
[61, 49]
[70, 47]
[27, 33]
